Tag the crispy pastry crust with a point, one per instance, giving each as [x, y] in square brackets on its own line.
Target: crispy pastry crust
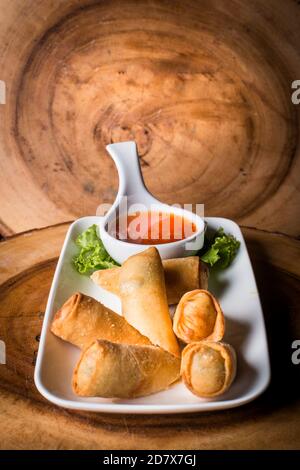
[82, 320]
[192, 324]
[144, 299]
[112, 370]
[181, 275]
[191, 375]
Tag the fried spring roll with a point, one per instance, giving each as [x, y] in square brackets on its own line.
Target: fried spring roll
[181, 275]
[82, 320]
[144, 299]
[114, 370]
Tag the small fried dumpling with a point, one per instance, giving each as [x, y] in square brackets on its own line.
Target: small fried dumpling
[208, 368]
[199, 316]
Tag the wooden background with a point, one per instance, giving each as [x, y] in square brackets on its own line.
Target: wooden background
[204, 87]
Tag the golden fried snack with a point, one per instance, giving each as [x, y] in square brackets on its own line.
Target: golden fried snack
[181, 275]
[198, 316]
[144, 299]
[112, 370]
[208, 368]
[82, 320]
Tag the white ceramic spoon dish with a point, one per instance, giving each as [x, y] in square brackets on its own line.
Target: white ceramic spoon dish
[236, 289]
[138, 198]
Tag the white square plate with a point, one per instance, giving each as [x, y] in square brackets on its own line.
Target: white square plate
[236, 290]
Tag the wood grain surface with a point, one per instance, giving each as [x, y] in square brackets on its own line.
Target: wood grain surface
[204, 87]
[27, 263]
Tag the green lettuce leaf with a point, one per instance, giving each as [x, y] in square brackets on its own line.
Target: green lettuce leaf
[220, 250]
[92, 255]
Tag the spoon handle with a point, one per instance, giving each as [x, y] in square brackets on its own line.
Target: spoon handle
[126, 159]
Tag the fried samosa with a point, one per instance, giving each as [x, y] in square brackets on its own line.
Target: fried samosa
[144, 299]
[181, 275]
[112, 370]
[82, 320]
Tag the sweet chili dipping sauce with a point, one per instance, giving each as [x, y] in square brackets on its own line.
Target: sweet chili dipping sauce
[153, 228]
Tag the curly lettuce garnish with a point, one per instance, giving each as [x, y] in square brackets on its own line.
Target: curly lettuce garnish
[92, 255]
[220, 250]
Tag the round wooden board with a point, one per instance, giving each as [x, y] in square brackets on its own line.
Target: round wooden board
[27, 263]
[204, 87]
